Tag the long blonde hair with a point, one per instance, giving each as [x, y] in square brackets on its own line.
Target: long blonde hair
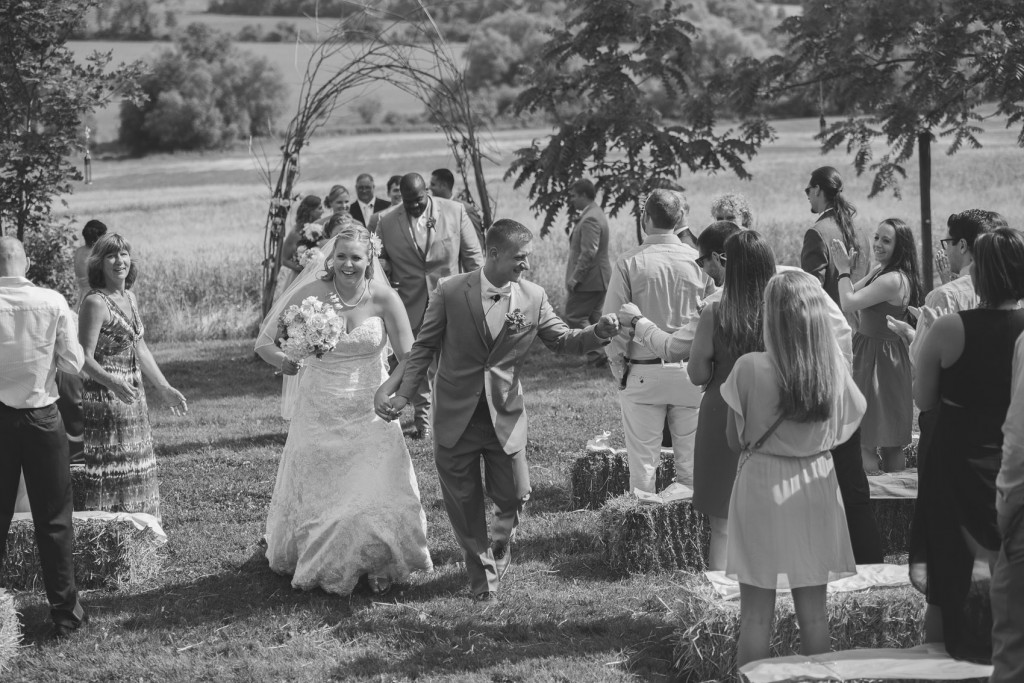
[802, 346]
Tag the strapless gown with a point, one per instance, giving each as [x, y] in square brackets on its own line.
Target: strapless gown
[346, 501]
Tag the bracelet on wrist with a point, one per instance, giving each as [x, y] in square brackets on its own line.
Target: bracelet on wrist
[842, 275]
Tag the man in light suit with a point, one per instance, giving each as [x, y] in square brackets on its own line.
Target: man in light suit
[367, 206]
[424, 239]
[480, 326]
[588, 271]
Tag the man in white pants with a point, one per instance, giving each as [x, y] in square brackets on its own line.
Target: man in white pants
[662, 278]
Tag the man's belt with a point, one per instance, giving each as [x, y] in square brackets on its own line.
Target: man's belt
[630, 362]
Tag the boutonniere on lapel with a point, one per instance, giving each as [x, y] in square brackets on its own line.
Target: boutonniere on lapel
[515, 320]
[431, 223]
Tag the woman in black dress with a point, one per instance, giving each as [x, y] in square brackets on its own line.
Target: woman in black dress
[963, 371]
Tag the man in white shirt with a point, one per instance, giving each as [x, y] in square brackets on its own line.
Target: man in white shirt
[38, 336]
[367, 205]
[1008, 578]
[661, 277]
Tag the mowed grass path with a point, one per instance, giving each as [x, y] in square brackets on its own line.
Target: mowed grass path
[218, 613]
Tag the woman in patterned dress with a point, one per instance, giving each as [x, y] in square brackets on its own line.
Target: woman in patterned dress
[119, 463]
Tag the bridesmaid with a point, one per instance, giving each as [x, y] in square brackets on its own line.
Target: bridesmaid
[881, 359]
[728, 329]
[120, 466]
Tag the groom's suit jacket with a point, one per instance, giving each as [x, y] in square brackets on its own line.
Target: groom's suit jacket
[470, 363]
[451, 244]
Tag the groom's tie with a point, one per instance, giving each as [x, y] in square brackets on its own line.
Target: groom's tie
[496, 309]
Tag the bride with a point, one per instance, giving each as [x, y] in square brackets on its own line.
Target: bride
[346, 503]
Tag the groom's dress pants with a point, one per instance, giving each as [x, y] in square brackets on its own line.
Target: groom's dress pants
[653, 394]
[506, 481]
[35, 444]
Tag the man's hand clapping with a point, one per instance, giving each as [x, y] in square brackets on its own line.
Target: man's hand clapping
[627, 312]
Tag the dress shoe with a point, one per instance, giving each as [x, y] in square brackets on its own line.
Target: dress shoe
[421, 434]
[502, 554]
[487, 597]
[62, 632]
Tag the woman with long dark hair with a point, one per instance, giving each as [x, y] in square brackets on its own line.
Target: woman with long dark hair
[835, 221]
[964, 372]
[881, 359]
[310, 210]
[728, 329]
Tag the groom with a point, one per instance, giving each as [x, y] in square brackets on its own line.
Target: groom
[480, 325]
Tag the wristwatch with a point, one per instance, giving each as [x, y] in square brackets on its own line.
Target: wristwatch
[633, 321]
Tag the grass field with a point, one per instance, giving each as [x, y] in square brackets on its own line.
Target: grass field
[218, 613]
[197, 220]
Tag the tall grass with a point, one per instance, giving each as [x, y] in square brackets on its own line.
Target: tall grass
[213, 295]
[197, 220]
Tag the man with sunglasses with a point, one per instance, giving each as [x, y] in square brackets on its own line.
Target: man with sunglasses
[955, 255]
[661, 278]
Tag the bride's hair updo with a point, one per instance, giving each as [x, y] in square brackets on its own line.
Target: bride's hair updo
[351, 232]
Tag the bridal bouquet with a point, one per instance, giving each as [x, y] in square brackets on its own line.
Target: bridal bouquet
[309, 239]
[310, 328]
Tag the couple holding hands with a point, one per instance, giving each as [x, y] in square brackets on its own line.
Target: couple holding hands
[346, 508]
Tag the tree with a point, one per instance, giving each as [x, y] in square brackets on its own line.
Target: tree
[204, 94]
[501, 45]
[45, 95]
[914, 71]
[136, 19]
[592, 78]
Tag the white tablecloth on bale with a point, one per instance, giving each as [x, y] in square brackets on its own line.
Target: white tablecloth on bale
[894, 484]
[924, 662]
[867, 576]
[140, 519]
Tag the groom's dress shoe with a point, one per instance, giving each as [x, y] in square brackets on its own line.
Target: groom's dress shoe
[502, 554]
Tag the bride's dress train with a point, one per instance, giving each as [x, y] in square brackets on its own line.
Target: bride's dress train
[346, 501]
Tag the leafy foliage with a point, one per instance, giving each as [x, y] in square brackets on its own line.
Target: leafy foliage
[902, 70]
[133, 19]
[501, 45]
[51, 249]
[202, 95]
[45, 96]
[592, 77]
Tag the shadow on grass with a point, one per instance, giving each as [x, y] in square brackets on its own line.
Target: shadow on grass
[239, 443]
[499, 638]
[219, 377]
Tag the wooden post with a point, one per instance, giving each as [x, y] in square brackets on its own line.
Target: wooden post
[924, 156]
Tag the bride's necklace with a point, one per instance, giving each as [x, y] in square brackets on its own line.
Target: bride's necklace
[341, 299]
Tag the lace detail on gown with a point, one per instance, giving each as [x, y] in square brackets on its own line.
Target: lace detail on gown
[346, 501]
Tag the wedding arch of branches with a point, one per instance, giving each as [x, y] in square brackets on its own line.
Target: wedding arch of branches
[366, 48]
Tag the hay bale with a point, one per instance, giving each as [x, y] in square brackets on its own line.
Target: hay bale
[649, 538]
[708, 627]
[108, 554]
[10, 631]
[598, 475]
[894, 517]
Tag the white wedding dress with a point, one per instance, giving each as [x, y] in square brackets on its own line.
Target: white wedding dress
[346, 501]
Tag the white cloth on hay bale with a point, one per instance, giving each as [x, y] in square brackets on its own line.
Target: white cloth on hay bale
[924, 662]
[141, 520]
[894, 484]
[21, 503]
[867, 576]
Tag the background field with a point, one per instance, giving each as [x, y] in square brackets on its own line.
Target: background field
[289, 58]
[196, 220]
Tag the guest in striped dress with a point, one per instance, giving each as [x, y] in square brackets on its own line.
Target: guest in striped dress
[119, 462]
